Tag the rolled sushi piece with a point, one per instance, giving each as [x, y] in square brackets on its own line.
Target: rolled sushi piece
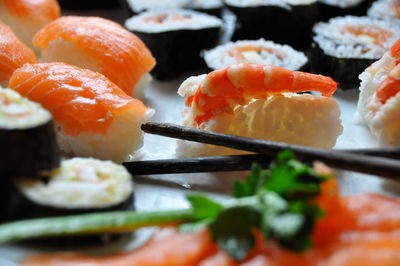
[13, 54]
[345, 46]
[93, 117]
[334, 8]
[27, 138]
[385, 9]
[26, 17]
[100, 45]
[89, 4]
[212, 7]
[260, 101]
[282, 21]
[79, 185]
[176, 38]
[255, 52]
[138, 6]
[379, 102]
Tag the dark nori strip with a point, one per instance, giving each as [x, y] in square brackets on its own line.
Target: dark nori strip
[343, 70]
[325, 12]
[89, 4]
[276, 23]
[27, 152]
[178, 51]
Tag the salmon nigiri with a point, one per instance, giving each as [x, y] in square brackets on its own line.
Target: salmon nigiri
[26, 17]
[13, 54]
[93, 116]
[100, 45]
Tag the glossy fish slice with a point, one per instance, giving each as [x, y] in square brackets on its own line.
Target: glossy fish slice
[26, 17]
[13, 54]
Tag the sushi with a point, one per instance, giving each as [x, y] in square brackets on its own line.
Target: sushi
[168, 35]
[287, 22]
[345, 46]
[385, 9]
[379, 102]
[79, 185]
[138, 6]
[89, 4]
[93, 117]
[26, 17]
[100, 45]
[13, 54]
[27, 138]
[255, 52]
[212, 7]
[334, 8]
[260, 101]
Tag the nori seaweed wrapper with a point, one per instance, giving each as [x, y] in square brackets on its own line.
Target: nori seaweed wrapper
[325, 11]
[277, 23]
[89, 4]
[178, 51]
[27, 152]
[342, 70]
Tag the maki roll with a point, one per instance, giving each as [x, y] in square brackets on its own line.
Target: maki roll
[89, 4]
[27, 138]
[255, 52]
[212, 7]
[345, 46]
[138, 6]
[385, 9]
[288, 22]
[176, 38]
[79, 185]
[333, 8]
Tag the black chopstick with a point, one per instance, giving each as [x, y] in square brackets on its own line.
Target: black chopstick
[199, 164]
[357, 162]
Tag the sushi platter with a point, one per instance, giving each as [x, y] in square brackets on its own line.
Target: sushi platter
[172, 96]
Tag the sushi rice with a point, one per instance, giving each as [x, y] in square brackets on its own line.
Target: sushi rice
[385, 9]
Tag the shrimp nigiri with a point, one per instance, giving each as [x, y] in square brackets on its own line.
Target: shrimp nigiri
[93, 117]
[26, 17]
[100, 45]
[13, 54]
[259, 101]
[379, 101]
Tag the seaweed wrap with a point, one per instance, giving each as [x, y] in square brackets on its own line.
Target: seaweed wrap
[138, 6]
[175, 38]
[385, 9]
[27, 138]
[255, 52]
[333, 8]
[345, 46]
[89, 4]
[212, 7]
[287, 22]
[79, 185]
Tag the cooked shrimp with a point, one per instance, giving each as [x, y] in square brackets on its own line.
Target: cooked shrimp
[390, 86]
[224, 89]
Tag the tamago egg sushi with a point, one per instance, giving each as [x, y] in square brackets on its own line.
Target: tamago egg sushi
[93, 117]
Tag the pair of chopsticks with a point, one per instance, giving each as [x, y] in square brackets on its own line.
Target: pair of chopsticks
[381, 162]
